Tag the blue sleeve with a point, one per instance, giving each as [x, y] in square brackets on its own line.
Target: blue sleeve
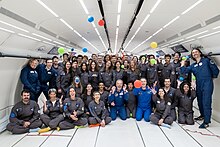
[214, 68]
[24, 79]
[184, 70]
[136, 91]
[126, 96]
[111, 98]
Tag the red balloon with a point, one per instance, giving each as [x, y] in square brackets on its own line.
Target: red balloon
[101, 22]
[137, 84]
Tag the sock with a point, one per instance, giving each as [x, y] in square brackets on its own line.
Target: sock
[94, 125]
[34, 130]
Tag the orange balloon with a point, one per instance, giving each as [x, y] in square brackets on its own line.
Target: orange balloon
[137, 84]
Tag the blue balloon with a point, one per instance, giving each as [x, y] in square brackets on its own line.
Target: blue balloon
[187, 57]
[91, 19]
[157, 56]
[84, 50]
[72, 49]
[77, 80]
[181, 78]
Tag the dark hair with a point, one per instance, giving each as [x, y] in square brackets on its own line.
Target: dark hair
[52, 90]
[168, 55]
[85, 91]
[202, 55]
[65, 54]
[166, 98]
[79, 56]
[47, 59]
[90, 66]
[95, 92]
[54, 57]
[182, 90]
[119, 63]
[75, 61]
[24, 91]
[65, 69]
[177, 53]
[84, 63]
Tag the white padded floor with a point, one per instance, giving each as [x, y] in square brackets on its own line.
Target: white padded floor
[120, 133]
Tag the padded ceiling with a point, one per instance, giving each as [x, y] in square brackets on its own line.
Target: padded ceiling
[72, 12]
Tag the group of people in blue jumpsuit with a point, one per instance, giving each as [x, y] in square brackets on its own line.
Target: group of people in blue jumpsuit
[164, 87]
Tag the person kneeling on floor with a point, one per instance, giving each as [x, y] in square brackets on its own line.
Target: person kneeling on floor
[98, 111]
[24, 115]
[162, 111]
[53, 113]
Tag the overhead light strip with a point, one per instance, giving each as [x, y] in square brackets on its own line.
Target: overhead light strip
[173, 20]
[84, 7]
[196, 34]
[41, 36]
[59, 43]
[63, 21]
[13, 26]
[218, 27]
[117, 25]
[157, 31]
[145, 19]
[26, 36]
[155, 6]
[46, 7]
[173, 45]
[208, 35]
[191, 7]
[165, 45]
[49, 43]
[6, 30]
[118, 20]
[119, 6]
[176, 41]
[187, 41]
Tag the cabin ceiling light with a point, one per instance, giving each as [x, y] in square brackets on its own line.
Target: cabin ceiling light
[59, 43]
[218, 27]
[46, 7]
[197, 34]
[191, 7]
[41, 37]
[187, 41]
[208, 34]
[173, 20]
[174, 45]
[26, 36]
[84, 6]
[13, 26]
[118, 20]
[176, 41]
[119, 6]
[165, 45]
[49, 43]
[6, 30]
[63, 21]
[155, 6]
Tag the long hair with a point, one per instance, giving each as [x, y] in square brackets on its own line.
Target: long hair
[96, 67]
[84, 63]
[182, 90]
[201, 54]
[166, 98]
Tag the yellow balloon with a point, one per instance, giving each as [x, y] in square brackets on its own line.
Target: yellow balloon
[153, 45]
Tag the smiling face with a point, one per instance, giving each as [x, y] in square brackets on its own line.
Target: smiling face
[33, 64]
[96, 96]
[196, 54]
[143, 82]
[72, 93]
[161, 93]
[186, 88]
[25, 97]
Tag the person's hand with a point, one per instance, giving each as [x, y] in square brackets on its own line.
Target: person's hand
[153, 91]
[155, 84]
[44, 106]
[61, 102]
[183, 63]
[160, 122]
[59, 90]
[112, 103]
[113, 89]
[102, 123]
[26, 124]
[73, 117]
[193, 85]
[124, 87]
[75, 113]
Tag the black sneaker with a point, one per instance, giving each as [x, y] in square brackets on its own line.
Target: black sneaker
[199, 118]
[204, 126]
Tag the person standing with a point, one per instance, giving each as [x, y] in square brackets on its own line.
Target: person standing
[204, 69]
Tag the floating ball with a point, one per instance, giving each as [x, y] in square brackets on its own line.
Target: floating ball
[181, 78]
[90, 19]
[153, 45]
[84, 50]
[152, 61]
[122, 66]
[184, 58]
[101, 22]
[137, 84]
[61, 50]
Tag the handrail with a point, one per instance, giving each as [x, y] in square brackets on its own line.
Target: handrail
[21, 56]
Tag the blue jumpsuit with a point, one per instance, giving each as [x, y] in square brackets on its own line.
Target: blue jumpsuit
[30, 79]
[119, 98]
[47, 78]
[204, 71]
[143, 103]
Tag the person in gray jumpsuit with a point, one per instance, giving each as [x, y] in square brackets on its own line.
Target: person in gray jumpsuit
[73, 108]
[131, 105]
[53, 113]
[162, 111]
[170, 93]
[98, 111]
[185, 96]
[24, 115]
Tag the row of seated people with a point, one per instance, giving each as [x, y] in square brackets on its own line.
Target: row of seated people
[144, 102]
